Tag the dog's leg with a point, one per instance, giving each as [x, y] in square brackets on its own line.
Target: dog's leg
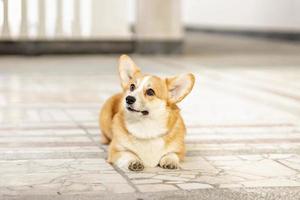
[169, 161]
[129, 160]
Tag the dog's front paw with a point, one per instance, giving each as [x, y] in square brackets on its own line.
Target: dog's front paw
[169, 162]
[169, 165]
[136, 165]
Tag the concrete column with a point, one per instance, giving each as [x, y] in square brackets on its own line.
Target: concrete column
[5, 27]
[76, 25]
[59, 19]
[158, 26]
[110, 20]
[24, 20]
[41, 19]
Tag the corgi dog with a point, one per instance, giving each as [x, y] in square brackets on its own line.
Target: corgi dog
[143, 125]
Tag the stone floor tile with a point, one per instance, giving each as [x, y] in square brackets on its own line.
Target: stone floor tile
[212, 158]
[243, 175]
[292, 165]
[262, 168]
[170, 178]
[251, 157]
[193, 186]
[217, 180]
[49, 135]
[173, 182]
[31, 150]
[45, 139]
[271, 183]
[156, 187]
[294, 158]
[189, 176]
[145, 181]
[278, 156]
[198, 164]
[119, 188]
[233, 185]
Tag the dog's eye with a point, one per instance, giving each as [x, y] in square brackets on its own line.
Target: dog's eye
[150, 92]
[132, 87]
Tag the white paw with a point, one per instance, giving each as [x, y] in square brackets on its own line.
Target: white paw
[169, 162]
[136, 165]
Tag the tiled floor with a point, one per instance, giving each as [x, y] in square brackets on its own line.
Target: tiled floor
[243, 125]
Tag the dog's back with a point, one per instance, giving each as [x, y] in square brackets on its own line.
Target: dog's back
[108, 111]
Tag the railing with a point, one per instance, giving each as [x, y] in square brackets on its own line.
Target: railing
[88, 26]
[64, 19]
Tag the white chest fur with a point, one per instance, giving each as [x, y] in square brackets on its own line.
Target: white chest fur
[147, 128]
[149, 151]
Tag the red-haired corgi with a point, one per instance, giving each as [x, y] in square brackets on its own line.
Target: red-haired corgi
[143, 124]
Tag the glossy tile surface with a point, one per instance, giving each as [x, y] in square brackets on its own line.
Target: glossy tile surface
[243, 128]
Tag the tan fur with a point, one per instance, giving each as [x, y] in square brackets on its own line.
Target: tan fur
[128, 149]
[109, 109]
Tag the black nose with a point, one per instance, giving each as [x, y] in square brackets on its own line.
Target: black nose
[130, 99]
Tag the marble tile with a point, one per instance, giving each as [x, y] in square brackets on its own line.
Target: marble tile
[276, 182]
[119, 188]
[49, 132]
[198, 163]
[266, 168]
[156, 187]
[66, 176]
[278, 156]
[230, 185]
[243, 175]
[292, 165]
[193, 186]
[188, 176]
[229, 158]
[251, 157]
[146, 181]
[81, 114]
[170, 178]
[217, 180]
[36, 150]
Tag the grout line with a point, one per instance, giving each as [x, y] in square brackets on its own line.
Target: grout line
[86, 131]
[100, 146]
[279, 162]
[123, 174]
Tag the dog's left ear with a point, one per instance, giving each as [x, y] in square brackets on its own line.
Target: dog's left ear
[179, 87]
[127, 69]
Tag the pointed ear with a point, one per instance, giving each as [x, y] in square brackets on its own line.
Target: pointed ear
[179, 87]
[127, 69]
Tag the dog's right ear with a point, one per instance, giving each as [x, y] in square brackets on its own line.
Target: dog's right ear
[127, 69]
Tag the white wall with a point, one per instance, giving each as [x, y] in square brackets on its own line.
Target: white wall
[278, 15]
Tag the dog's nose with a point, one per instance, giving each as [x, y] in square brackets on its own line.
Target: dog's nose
[130, 99]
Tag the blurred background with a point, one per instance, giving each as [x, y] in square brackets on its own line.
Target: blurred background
[140, 26]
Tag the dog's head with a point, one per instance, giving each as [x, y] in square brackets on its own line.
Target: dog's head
[147, 95]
